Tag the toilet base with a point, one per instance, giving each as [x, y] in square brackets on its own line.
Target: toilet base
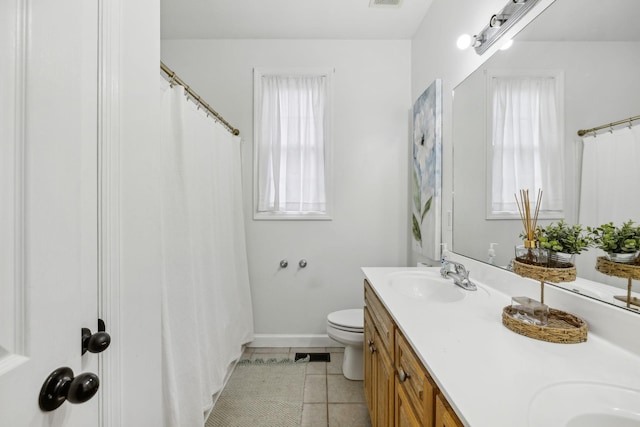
[353, 363]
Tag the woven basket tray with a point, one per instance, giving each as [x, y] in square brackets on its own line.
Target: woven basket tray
[563, 327]
[627, 271]
[544, 274]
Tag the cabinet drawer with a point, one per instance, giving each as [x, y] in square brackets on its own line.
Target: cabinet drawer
[415, 382]
[381, 318]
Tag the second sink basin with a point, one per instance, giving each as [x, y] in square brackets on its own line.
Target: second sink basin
[585, 404]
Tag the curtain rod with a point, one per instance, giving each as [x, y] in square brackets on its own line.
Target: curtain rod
[175, 79]
[583, 132]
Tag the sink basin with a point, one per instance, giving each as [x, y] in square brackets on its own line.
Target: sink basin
[589, 291]
[585, 404]
[427, 285]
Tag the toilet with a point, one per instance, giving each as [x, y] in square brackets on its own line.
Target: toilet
[347, 327]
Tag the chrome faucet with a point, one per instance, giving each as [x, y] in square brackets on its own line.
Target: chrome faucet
[458, 273]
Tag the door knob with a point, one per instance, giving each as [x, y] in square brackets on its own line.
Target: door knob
[95, 343]
[61, 385]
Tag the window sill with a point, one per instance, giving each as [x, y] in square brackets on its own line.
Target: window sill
[516, 215]
[292, 216]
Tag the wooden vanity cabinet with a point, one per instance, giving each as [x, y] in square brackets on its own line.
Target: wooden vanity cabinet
[405, 416]
[415, 383]
[384, 325]
[378, 376]
[398, 389]
[378, 357]
[369, 365]
[445, 417]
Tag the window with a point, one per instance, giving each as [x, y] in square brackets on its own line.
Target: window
[292, 133]
[526, 149]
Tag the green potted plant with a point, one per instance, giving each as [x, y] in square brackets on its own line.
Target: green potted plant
[620, 243]
[563, 242]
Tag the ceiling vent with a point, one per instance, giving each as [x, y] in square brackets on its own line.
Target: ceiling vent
[385, 3]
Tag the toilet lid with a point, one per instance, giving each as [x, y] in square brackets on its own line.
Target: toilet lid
[351, 320]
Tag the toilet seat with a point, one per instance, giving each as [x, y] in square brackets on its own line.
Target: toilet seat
[347, 320]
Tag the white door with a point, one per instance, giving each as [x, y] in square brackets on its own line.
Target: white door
[48, 238]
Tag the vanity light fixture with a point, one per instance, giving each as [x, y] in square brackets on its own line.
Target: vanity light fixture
[499, 24]
[465, 41]
[497, 20]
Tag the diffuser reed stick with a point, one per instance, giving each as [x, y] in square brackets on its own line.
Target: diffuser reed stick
[529, 221]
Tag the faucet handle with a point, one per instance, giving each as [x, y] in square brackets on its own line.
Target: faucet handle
[461, 269]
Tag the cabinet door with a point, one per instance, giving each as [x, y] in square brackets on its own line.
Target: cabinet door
[415, 381]
[369, 365]
[445, 417]
[384, 388]
[404, 416]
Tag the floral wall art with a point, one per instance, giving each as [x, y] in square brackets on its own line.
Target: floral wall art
[427, 171]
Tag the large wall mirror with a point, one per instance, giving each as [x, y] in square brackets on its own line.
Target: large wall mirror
[592, 50]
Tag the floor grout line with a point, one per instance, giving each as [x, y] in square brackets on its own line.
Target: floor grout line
[326, 381]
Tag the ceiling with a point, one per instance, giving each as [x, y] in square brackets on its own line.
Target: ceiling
[290, 19]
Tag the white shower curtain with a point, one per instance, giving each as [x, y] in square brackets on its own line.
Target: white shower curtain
[610, 189]
[206, 301]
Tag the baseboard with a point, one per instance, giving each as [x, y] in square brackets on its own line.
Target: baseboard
[285, 340]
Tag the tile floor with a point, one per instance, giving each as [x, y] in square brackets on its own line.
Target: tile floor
[330, 400]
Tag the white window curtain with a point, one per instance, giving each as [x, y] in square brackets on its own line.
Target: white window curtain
[291, 144]
[527, 151]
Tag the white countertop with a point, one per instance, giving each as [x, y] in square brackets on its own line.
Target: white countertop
[488, 373]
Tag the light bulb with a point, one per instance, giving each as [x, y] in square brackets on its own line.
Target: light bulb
[507, 44]
[464, 41]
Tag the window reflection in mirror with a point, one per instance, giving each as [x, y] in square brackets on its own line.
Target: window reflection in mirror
[525, 147]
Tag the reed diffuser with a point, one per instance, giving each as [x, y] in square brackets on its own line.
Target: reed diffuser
[529, 252]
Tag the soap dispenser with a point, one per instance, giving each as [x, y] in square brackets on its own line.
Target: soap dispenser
[491, 253]
[444, 252]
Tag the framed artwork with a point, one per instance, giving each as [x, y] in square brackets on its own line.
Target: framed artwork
[427, 172]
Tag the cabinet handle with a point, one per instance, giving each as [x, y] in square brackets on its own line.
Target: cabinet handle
[372, 349]
[402, 375]
[370, 343]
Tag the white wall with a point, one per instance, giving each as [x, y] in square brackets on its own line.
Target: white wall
[434, 55]
[596, 91]
[371, 158]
